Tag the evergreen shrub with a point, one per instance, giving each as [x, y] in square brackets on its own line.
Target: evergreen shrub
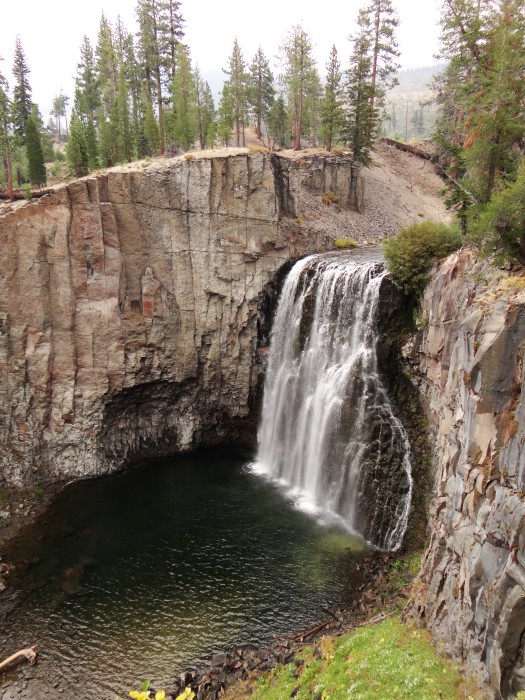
[411, 253]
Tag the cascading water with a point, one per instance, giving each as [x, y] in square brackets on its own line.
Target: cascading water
[328, 428]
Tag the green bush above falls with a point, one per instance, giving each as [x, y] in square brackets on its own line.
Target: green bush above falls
[411, 253]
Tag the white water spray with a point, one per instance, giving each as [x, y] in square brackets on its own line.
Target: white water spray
[328, 428]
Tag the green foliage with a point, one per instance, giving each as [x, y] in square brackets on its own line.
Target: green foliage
[411, 253]
[225, 119]
[331, 108]
[21, 108]
[76, 152]
[498, 227]
[35, 155]
[301, 81]
[204, 111]
[278, 124]
[387, 660]
[237, 88]
[261, 90]
[373, 65]
[359, 125]
[345, 243]
[183, 97]
[480, 129]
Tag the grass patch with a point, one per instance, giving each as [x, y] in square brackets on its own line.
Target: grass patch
[387, 660]
[345, 243]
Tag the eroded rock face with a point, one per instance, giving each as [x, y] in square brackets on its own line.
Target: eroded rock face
[469, 356]
[129, 306]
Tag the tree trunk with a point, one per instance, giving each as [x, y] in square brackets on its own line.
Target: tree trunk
[297, 145]
[9, 176]
[161, 112]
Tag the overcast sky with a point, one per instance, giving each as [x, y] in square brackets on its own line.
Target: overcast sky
[51, 32]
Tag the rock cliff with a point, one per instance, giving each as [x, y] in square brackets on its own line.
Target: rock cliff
[468, 358]
[129, 306]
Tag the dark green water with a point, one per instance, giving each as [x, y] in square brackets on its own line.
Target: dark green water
[141, 574]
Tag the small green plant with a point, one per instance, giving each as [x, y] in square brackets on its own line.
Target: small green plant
[39, 491]
[345, 243]
[55, 169]
[411, 253]
[27, 191]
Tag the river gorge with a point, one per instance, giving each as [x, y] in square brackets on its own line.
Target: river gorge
[136, 309]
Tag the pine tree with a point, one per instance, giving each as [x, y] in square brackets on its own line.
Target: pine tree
[300, 77]
[122, 122]
[204, 110]
[107, 114]
[226, 117]
[160, 33]
[151, 130]
[385, 53]
[134, 75]
[35, 156]
[238, 91]
[495, 129]
[21, 105]
[5, 134]
[261, 90]
[87, 92]
[59, 110]
[76, 150]
[332, 110]
[183, 98]
[170, 39]
[359, 123]
[278, 123]
[481, 127]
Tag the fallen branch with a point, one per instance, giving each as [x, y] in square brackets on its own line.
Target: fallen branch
[18, 194]
[28, 654]
[313, 630]
[377, 618]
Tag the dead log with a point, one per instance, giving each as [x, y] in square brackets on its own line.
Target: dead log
[28, 654]
[19, 194]
[407, 148]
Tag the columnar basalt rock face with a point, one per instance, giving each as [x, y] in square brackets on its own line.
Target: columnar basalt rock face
[128, 309]
[470, 361]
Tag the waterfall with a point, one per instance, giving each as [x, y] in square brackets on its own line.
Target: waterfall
[328, 428]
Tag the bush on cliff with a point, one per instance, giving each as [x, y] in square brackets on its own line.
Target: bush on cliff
[411, 253]
[498, 228]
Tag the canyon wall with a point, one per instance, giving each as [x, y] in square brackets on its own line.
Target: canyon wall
[129, 306]
[468, 362]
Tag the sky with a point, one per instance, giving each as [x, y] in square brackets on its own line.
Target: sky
[51, 32]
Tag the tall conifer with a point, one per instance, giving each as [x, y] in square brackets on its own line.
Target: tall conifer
[22, 103]
[35, 155]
